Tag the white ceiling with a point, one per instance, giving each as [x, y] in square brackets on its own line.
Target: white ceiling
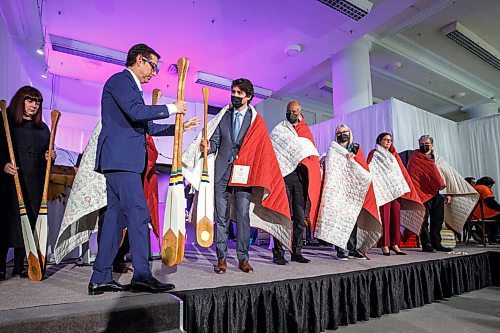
[237, 38]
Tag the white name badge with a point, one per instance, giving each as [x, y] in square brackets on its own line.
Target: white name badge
[240, 174]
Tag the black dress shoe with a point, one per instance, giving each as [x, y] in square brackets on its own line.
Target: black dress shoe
[280, 261]
[428, 249]
[3, 275]
[297, 257]
[151, 286]
[100, 288]
[23, 274]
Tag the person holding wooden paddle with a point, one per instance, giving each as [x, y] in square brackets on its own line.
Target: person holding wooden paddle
[30, 141]
[121, 157]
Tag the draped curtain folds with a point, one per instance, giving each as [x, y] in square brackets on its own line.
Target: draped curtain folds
[316, 304]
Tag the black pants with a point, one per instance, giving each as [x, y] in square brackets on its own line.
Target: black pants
[296, 190]
[430, 236]
[19, 255]
[351, 243]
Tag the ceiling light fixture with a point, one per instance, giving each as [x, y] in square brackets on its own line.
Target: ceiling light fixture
[293, 50]
[225, 84]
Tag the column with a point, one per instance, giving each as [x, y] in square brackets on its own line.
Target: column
[351, 78]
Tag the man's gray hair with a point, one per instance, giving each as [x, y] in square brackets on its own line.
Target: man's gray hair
[426, 136]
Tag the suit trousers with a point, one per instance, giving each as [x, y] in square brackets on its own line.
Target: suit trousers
[430, 236]
[390, 214]
[242, 197]
[125, 197]
[296, 190]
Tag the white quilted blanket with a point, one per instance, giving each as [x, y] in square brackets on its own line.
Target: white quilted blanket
[389, 182]
[464, 196]
[344, 189]
[289, 147]
[87, 196]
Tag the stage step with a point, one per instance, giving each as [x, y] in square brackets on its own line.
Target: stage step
[141, 313]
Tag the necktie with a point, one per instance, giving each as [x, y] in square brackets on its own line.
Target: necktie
[236, 125]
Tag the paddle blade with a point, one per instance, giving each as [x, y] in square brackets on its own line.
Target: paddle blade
[205, 232]
[41, 233]
[169, 248]
[181, 241]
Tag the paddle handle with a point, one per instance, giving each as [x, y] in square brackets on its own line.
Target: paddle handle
[182, 67]
[54, 115]
[206, 93]
[156, 96]
[3, 108]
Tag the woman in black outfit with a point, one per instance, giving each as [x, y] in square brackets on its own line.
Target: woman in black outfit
[30, 140]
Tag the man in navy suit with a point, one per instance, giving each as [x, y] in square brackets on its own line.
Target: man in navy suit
[121, 157]
[226, 141]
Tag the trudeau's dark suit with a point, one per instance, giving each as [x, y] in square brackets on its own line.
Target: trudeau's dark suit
[121, 157]
[227, 148]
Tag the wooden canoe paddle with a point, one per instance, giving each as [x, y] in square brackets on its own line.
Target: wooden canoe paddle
[204, 227]
[41, 226]
[34, 269]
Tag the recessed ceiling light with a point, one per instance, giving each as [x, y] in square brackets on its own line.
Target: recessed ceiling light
[458, 95]
[293, 50]
[394, 66]
[39, 51]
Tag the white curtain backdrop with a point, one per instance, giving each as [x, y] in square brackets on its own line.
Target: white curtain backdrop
[480, 141]
[472, 147]
[365, 125]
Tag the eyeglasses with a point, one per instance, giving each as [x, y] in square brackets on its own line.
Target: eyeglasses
[152, 64]
[344, 132]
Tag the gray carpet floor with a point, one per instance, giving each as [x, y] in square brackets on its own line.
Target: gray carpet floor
[67, 283]
[474, 312]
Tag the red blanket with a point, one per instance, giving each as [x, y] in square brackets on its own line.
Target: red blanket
[151, 184]
[257, 152]
[370, 204]
[425, 176]
[313, 173]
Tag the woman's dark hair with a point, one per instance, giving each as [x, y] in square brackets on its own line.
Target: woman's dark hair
[381, 136]
[486, 181]
[245, 85]
[470, 180]
[16, 106]
[141, 49]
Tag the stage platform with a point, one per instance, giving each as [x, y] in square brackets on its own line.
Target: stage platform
[314, 297]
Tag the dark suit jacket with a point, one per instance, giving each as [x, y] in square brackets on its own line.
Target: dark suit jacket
[223, 142]
[125, 121]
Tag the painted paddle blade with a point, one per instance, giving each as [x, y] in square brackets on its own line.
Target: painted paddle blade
[34, 269]
[205, 212]
[41, 234]
[181, 209]
[170, 230]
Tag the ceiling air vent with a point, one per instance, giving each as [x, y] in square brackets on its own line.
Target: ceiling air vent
[355, 9]
[464, 37]
[225, 84]
[86, 50]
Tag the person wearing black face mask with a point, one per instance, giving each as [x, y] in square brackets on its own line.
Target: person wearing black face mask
[428, 182]
[345, 165]
[226, 141]
[298, 158]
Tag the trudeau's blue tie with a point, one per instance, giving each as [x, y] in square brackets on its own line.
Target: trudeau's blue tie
[236, 125]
